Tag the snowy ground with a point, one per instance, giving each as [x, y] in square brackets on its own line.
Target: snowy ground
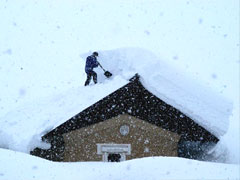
[43, 45]
[153, 168]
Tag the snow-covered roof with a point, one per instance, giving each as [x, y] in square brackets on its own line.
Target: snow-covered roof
[199, 103]
[175, 87]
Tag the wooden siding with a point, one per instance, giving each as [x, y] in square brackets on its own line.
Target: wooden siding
[145, 139]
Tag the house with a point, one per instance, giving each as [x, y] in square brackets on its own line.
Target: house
[129, 123]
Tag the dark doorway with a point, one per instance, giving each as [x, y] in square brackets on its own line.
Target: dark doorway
[114, 157]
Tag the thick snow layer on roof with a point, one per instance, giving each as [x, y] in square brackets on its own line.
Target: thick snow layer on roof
[24, 126]
[40, 116]
[206, 107]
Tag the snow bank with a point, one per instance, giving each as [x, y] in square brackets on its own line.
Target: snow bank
[15, 165]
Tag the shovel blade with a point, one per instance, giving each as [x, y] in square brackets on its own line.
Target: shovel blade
[107, 74]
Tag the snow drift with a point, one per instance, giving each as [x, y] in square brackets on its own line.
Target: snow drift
[154, 168]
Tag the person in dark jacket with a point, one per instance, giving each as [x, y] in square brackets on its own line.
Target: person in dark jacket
[91, 62]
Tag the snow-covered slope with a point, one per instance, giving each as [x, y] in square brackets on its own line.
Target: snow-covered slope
[21, 129]
[153, 168]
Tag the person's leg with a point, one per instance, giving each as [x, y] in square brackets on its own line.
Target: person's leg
[88, 79]
[94, 77]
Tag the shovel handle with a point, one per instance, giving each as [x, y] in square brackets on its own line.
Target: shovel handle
[101, 67]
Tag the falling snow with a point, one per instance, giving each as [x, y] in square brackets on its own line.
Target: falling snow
[42, 56]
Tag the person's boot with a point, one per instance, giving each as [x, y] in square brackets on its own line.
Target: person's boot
[87, 82]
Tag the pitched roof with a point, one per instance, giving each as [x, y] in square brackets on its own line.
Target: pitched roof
[204, 107]
[135, 100]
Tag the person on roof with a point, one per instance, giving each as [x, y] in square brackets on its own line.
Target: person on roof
[91, 62]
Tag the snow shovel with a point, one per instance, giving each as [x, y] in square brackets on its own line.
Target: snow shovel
[106, 73]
